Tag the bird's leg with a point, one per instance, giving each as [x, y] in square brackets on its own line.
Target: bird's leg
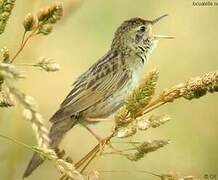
[101, 141]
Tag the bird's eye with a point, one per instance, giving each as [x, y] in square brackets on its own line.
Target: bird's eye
[142, 28]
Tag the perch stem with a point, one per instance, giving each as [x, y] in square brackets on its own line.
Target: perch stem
[87, 156]
[90, 160]
[155, 106]
[92, 154]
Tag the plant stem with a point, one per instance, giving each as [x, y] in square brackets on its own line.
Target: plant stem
[90, 160]
[23, 44]
[125, 142]
[155, 106]
[15, 141]
[137, 171]
[120, 151]
[24, 35]
[87, 156]
[149, 106]
[92, 154]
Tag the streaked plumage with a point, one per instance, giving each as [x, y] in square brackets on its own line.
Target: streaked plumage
[102, 89]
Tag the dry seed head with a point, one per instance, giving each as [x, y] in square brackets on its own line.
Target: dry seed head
[169, 95]
[30, 22]
[68, 169]
[30, 113]
[51, 14]
[5, 15]
[199, 86]
[9, 71]
[42, 14]
[8, 7]
[145, 148]
[193, 88]
[27, 114]
[1, 81]
[46, 29]
[127, 131]
[7, 100]
[5, 55]
[63, 167]
[153, 121]
[56, 11]
[30, 101]
[48, 65]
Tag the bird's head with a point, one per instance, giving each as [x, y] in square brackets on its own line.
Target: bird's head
[136, 32]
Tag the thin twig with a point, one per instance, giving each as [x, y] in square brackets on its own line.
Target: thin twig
[90, 160]
[137, 171]
[95, 150]
[24, 35]
[120, 151]
[125, 142]
[155, 106]
[20, 143]
[15, 141]
[23, 44]
[89, 154]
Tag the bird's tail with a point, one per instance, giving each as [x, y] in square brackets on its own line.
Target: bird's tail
[56, 134]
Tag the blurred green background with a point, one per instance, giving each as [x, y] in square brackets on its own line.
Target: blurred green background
[76, 43]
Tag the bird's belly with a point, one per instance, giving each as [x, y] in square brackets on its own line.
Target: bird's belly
[108, 106]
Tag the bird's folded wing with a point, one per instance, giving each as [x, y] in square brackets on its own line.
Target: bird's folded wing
[90, 91]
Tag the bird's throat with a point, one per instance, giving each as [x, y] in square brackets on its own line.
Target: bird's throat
[146, 51]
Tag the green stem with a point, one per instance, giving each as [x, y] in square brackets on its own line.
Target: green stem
[20, 143]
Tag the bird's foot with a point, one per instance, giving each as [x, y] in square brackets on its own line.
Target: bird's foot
[102, 143]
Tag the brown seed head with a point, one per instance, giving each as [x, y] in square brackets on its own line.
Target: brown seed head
[30, 22]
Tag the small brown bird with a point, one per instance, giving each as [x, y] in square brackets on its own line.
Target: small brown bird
[102, 89]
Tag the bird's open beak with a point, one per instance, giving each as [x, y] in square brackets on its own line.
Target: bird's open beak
[160, 36]
[158, 19]
[163, 37]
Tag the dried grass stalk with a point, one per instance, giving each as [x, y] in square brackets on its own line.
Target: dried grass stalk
[30, 113]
